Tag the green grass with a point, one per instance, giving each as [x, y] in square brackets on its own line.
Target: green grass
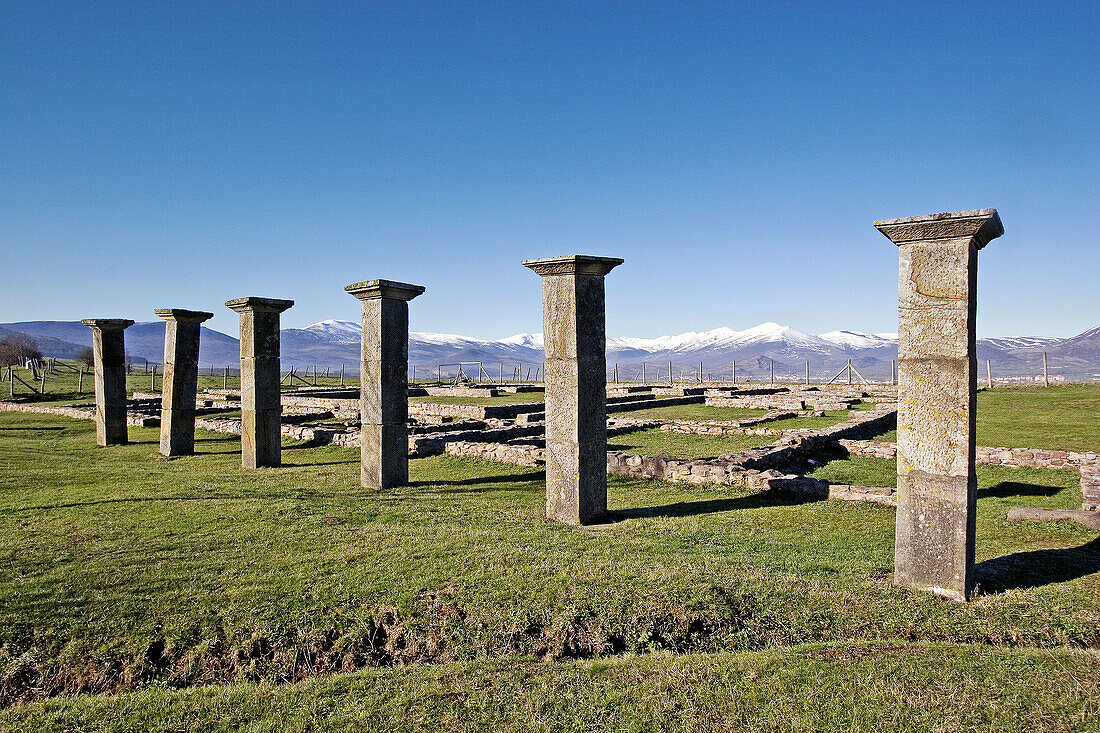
[685, 445]
[863, 688]
[1065, 417]
[1062, 417]
[1042, 487]
[112, 554]
[123, 570]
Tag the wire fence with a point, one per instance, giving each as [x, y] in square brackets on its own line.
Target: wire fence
[46, 376]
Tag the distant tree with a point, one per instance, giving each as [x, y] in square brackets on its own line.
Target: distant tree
[87, 356]
[17, 348]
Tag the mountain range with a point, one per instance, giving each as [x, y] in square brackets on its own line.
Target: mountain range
[756, 350]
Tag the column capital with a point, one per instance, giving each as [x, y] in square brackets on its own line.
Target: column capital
[270, 305]
[179, 314]
[573, 265]
[983, 225]
[108, 324]
[389, 289]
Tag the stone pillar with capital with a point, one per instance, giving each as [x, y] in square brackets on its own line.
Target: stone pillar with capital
[576, 385]
[937, 388]
[109, 359]
[261, 400]
[383, 380]
[181, 379]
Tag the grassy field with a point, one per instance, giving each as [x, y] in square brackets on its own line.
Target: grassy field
[863, 688]
[685, 445]
[1063, 417]
[123, 570]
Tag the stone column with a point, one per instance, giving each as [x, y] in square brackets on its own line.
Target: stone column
[937, 387]
[576, 384]
[181, 379]
[261, 401]
[109, 347]
[383, 380]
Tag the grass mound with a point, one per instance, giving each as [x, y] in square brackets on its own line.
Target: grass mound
[124, 570]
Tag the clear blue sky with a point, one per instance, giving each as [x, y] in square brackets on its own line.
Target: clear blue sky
[735, 154]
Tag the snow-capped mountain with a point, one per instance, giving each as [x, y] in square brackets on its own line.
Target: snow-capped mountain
[340, 331]
[859, 339]
[756, 350]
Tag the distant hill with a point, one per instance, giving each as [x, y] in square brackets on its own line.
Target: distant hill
[49, 346]
[756, 350]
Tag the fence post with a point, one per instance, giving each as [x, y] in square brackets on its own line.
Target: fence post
[643, 373]
[807, 371]
[1046, 376]
[670, 380]
[153, 378]
[80, 382]
[341, 375]
[771, 371]
[735, 371]
[988, 374]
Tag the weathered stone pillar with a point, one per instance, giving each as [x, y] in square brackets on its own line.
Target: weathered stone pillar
[181, 379]
[109, 347]
[937, 386]
[576, 383]
[383, 380]
[261, 401]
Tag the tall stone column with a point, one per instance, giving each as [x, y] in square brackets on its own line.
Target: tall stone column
[383, 380]
[109, 348]
[261, 401]
[937, 387]
[576, 384]
[181, 379]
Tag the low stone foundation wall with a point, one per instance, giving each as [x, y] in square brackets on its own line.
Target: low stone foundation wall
[460, 391]
[341, 407]
[1011, 457]
[715, 471]
[514, 454]
[645, 404]
[730, 427]
[473, 412]
[79, 412]
[784, 402]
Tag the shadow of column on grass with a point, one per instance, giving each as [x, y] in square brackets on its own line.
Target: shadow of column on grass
[535, 477]
[709, 506]
[1006, 489]
[1037, 567]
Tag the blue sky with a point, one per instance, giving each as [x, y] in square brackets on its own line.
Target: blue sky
[735, 154]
